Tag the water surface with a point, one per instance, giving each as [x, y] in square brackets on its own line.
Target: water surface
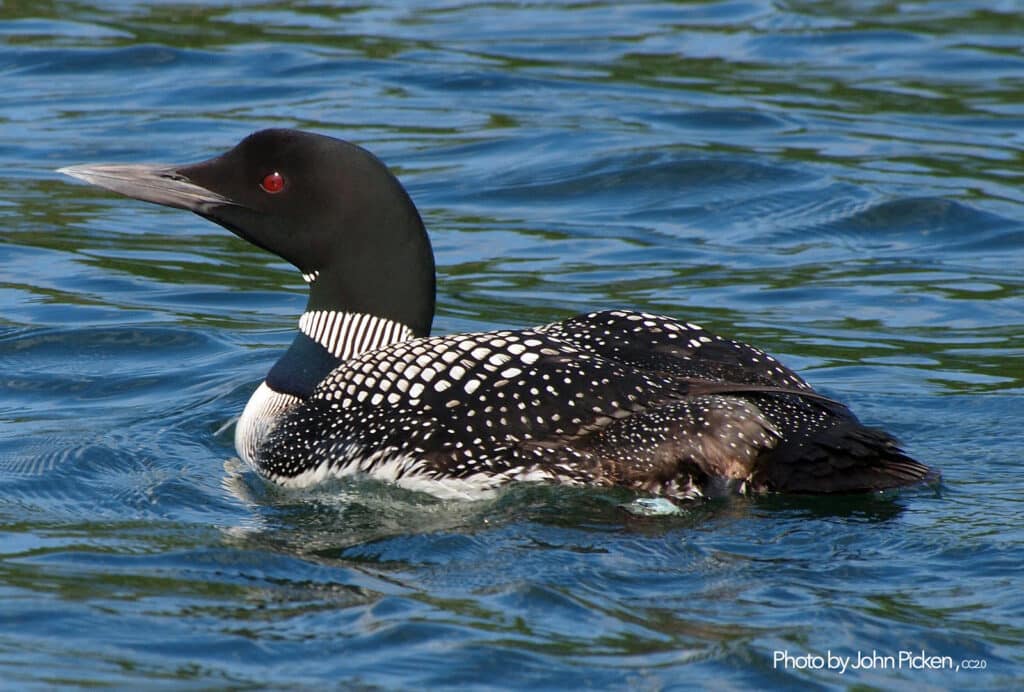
[840, 185]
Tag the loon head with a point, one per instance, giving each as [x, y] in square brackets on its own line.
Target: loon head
[329, 207]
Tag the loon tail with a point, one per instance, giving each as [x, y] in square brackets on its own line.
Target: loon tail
[845, 458]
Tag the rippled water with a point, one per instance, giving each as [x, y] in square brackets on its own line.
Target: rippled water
[837, 182]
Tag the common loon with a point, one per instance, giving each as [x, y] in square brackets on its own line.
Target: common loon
[613, 398]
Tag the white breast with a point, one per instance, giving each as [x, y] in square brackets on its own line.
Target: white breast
[260, 416]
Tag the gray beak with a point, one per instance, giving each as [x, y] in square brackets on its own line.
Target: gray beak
[150, 183]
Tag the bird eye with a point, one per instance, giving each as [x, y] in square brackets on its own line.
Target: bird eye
[272, 183]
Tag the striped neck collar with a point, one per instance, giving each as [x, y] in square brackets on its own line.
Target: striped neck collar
[347, 334]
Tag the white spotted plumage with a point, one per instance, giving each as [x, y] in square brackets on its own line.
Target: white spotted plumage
[594, 399]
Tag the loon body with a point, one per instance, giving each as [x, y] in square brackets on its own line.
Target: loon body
[605, 398]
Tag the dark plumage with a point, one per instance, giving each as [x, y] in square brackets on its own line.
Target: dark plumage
[606, 398]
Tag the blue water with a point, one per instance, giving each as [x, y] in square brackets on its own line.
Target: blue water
[840, 184]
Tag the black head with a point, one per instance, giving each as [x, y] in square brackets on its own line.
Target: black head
[328, 207]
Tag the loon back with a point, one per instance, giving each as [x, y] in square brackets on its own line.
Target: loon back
[606, 398]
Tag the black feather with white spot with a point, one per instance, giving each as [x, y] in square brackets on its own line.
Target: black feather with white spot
[612, 398]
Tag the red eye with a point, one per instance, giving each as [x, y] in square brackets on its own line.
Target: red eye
[272, 183]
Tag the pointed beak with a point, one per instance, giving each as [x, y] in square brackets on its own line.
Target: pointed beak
[150, 183]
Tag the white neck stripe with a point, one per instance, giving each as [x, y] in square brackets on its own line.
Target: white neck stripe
[347, 334]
